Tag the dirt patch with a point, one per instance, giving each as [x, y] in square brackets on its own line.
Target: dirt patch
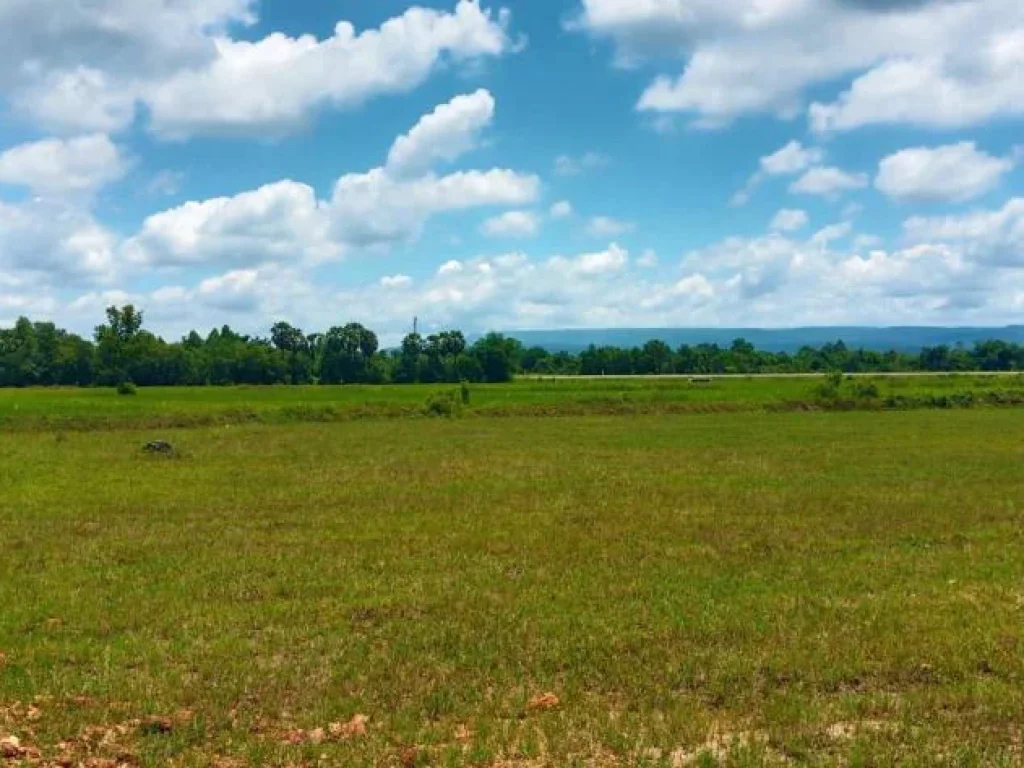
[545, 702]
[95, 746]
[719, 746]
[340, 731]
[11, 748]
[844, 731]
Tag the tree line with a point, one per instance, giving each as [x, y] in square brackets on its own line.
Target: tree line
[741, 357]
[122, 351]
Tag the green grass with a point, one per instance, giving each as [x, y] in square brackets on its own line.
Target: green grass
[207, 406]
[734, 588]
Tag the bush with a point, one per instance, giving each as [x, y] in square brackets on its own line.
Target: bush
[829, 388]
[446, 404]
[866, 390]
[464, 393]
[962, 399]
[127, 388]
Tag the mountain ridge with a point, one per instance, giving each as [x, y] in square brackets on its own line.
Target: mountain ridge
[882, 339]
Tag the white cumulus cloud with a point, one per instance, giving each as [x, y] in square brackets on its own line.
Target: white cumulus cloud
[832, 277]
[990, 237]
[648, 259]
[144, 36]
[276, 84]
[612, 260]
[953, 89]
[787, 161]
[87, 66]
[606, 226]
[77, 100]
[395, 281]
[567, 165]
[561, 210]
[924, 62]
[374, 208]
[277, 222]
[58, 167]
[512, 224]
[56, 239]
[953, 174]
[827, 181]
[832, 232]
[285, 222]
[792, 158]
[448, 132]
[789, 220]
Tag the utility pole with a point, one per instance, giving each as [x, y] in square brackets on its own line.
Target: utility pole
[416, 326]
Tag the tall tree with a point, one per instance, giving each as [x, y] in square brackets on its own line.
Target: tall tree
[293, 342]
[499, 356]
[347, 352]
[114, 343]
[411, 359]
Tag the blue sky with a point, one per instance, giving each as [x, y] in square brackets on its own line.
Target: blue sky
[537, 164]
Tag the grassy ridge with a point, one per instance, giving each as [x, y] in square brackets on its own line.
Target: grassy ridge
[737, 588]
[208, 406]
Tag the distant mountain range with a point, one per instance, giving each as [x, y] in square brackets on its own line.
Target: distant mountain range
[905, 339]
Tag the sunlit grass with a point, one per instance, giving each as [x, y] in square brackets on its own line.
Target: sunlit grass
[802, 587]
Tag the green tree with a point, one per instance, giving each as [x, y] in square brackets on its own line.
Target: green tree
[535, 360]
[411, 359]
[655, 357]
[293, 343]
[499, 357]
[19, 355]
[114, 343]
[442, 350]
[347, 353]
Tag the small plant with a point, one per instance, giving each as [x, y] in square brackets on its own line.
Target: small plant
[127, 388]
[464, 392]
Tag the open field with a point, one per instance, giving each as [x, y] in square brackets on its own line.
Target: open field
[208, 406]
[727, 588]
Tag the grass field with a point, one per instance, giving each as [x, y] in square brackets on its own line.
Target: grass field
[741, 588]
[208, 406]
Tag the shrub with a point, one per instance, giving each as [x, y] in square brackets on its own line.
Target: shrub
[962, 399]
[127, 388]
[866, 390]
[829, 388]
[446, 404]
[464, 392]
